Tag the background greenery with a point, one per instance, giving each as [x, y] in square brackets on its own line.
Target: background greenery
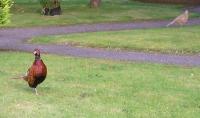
[5, 11]
[28, 12]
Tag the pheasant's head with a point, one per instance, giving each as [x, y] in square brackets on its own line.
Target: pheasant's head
[36, 52]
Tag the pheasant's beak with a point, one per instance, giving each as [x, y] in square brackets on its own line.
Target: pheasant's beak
[34, 52]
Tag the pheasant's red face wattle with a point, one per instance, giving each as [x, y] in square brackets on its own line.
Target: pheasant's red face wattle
[36, 52]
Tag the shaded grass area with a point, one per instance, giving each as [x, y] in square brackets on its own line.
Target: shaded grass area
[179, 40]
[27, 12]
[91, 88]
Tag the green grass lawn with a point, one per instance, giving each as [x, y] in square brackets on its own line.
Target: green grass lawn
[27, 12]
[91, 88]
[179, 40]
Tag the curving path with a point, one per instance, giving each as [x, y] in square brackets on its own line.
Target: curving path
[13, 39]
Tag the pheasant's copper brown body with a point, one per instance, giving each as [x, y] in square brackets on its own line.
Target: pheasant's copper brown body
[36, 74]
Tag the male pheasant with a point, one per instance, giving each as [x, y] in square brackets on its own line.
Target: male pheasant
[37, 73]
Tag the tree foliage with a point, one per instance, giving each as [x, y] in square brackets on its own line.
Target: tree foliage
[49, 3]
[5, 11]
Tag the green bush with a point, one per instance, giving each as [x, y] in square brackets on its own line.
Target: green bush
[49, 3]
[5, 11]
[45, 3]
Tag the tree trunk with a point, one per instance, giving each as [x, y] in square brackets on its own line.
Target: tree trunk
[51, 7]
[95, 3]
[55, 8]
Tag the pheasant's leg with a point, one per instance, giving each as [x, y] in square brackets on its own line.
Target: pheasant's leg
[36, 91]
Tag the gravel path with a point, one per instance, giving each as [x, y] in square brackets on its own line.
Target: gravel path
[13, 39]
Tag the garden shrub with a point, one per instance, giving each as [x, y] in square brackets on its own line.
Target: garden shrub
[5, 11]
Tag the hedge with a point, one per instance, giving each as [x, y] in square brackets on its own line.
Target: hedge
[5, 11]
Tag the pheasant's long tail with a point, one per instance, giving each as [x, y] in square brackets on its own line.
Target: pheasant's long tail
[24, 77]
[171, 23]
[19, 77]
